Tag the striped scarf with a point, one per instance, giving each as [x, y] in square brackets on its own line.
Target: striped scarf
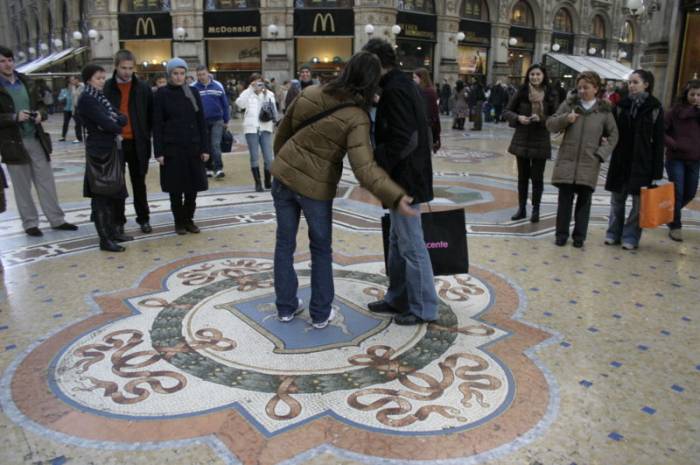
[100, 97]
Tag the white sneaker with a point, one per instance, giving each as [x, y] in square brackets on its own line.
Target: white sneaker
[76, 141]
[210, 173]
[288, 318]
[219, 174]
[323, 324]
[628, 246]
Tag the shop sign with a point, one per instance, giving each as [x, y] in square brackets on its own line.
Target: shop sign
[135, 26]
[476, 32]
[232, 23]
[328, 22]
[417, 26]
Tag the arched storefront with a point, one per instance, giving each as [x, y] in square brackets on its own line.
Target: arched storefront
[689, 66]
[473, 50]
[324, 31]
[563, 32]
[596, 42]
[146, 28]
[521, 41]
[626, 48]
[415, 44]
[232, 34]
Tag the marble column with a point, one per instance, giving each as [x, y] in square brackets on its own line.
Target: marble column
[500, 70]
[445, 64]
[277, 51]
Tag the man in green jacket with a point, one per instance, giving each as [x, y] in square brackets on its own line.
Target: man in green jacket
[25, 148]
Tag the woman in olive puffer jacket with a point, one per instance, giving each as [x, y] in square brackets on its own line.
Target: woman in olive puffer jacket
[307, 169]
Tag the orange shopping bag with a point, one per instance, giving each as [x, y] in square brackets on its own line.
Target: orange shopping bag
[656, 205]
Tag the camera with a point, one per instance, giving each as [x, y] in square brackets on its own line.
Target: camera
[33, 114]
[260, 85]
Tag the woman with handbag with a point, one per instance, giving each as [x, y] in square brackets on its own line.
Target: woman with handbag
[104, 174]
[638, 159]
[258, 124]
[180, 144]
[319, 128]
[683, 152]
[527, 112]
[460, 110]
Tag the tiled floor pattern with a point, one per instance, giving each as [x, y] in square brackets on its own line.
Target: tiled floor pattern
[594, 351]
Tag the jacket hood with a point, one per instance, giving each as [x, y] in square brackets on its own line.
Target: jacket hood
[602, 104]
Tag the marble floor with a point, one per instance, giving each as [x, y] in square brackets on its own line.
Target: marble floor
[170, 352]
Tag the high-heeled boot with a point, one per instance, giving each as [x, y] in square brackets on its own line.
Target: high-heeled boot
[256, 177]
[104, 227]
[268, 179]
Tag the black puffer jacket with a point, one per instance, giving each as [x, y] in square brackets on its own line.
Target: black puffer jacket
[140, 114]
[11, 146]
[530, 140]
[402, 136]
[638, 158]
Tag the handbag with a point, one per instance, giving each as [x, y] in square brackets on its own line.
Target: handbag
[445, 236]
[226, 141]
[105, 173]
[656, 205]
[267, 111]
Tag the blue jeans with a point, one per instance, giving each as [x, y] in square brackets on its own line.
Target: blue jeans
[411, 283]
[684, 176]
[318, 214]
[619, 229]
[216, 132]
[264, 139]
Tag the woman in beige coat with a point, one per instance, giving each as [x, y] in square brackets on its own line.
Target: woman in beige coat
[590, 135]
[320, 126]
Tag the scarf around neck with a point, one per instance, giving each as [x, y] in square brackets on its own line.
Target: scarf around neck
[100, 97]
[637, 102]
[536, 97]
[188, 93]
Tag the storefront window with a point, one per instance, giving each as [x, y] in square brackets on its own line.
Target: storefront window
[413, 54]
[324, 3]
[472, 60]
[522, 15]
[138, 6]
[598, 27]
[421, 6]
[562, 22]
[519, 61]
[212, 5]
[475, 9]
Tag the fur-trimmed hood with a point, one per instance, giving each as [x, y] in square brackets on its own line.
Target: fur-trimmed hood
[602, 104]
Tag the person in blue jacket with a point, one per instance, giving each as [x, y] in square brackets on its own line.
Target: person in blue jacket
[216, 114]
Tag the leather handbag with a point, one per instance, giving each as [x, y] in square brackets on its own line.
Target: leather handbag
[105, 173]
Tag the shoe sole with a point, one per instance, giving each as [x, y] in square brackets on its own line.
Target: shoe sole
[324, 324]
[300, 309]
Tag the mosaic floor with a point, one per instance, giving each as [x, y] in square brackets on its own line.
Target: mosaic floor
[170, 352]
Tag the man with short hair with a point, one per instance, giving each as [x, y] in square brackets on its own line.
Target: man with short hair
[216, 114]
[133, 98]
[26, 148]
[403, 149]
[305, 77]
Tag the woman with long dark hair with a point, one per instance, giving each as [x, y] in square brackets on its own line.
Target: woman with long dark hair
[319, 128]
[683, 151]
[638, 159]
[104, 126]
[421, 76]
[460, 110]
[528, 111]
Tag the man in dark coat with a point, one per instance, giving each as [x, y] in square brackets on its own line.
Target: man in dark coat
[133, 98]
[498, 99]
[26, 148]
[403, 149]
[445, 93]
[476, 102]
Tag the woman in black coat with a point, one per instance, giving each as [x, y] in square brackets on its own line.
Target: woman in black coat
[527, 112]
[638, 158]
[104, 126]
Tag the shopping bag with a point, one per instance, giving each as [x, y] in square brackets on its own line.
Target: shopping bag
[226, 141]
[656, 205]
[445, 235]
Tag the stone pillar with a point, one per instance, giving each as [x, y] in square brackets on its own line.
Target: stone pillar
[581, 44]
[612, 49]
[381, 18]
[278, 51]
[103, 48]
[500, 32]
[445, 65]
[191, 48]
[543, 40]
[639, 48]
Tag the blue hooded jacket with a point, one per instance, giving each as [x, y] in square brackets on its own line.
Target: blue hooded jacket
[214, 100]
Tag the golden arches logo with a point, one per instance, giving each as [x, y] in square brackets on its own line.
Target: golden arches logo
[142, 26]
[324, 19]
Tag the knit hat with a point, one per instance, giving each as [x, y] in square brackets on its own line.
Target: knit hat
[175, 63]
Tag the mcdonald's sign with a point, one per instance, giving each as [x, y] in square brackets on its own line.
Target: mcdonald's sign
[330, 22]
[135, 26]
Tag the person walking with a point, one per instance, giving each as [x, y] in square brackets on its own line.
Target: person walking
[319, 128]
[26, 148]
[445, 94]
[498, 99]
[69, 105]
[258, 124]
[216, 114]
[403, 150]
[682, 139]
[181, 144]
[638, 159]
[460, 110]
[104, 125]
[134, 99]
[305, 79]
[590, 135]
[421, 76]
[476, 104]
[528, 112]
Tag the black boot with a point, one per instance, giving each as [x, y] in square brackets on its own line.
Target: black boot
[519, 214]
[535, 217]
[119, 236]
[103, 224]
[256, 177]
[268, 179]
[536, 199]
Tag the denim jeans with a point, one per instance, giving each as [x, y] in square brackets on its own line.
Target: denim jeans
[411, 283]
[619, 229]
[264, 139]
[216, 132]
[318, 214]
[684, 176]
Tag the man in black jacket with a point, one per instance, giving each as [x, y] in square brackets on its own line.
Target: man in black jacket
[498, 99]
[403, 150]
[26, 148]
[133, 98]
